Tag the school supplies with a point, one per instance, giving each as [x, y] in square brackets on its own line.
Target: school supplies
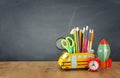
[79, 52]
[82, 40]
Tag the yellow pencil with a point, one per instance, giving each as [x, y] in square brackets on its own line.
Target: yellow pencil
[77, 39]
[73, 31]
[80, 40]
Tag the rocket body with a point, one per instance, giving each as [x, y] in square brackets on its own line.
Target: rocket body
[103, 50]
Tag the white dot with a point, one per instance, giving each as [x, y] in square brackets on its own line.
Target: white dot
[106, 50]
[100, 50]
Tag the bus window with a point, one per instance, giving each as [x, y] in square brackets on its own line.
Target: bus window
[85, 56]
[90, 56]
[79, 56]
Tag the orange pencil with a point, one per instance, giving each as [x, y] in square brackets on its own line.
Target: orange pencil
[91, 38]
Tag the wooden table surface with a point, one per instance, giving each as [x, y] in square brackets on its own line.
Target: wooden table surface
[50, 69]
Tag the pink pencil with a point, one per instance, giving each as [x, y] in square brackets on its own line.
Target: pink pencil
[86, 41]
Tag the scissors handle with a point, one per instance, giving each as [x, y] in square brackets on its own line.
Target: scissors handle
[64, 43]
[70, 41]
[68, 44]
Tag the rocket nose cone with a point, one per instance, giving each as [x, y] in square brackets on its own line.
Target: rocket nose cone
[103, 41]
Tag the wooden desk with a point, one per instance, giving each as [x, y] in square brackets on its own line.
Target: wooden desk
[50, 69]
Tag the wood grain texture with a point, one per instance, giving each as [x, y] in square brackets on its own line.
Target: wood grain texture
[50, 69]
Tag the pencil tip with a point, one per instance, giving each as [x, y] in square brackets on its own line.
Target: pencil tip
[77, 28]
[86, 27]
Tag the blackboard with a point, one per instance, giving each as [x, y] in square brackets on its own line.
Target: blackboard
[29, 28]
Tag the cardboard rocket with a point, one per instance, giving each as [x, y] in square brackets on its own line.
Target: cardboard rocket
[103, 50]
[104, 53]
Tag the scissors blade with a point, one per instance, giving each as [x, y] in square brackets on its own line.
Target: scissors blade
[70, 44]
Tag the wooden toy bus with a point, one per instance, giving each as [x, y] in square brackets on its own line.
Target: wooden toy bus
[73, 61]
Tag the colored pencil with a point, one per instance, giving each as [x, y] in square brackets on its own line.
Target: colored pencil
[91, 38]
[88, 37]
[77, 39]
[80, 40]
[83, 32]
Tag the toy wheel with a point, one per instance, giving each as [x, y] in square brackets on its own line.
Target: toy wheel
[93, 65]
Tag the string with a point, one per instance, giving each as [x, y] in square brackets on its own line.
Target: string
[70, 26]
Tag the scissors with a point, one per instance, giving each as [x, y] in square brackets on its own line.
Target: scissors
[68, 44]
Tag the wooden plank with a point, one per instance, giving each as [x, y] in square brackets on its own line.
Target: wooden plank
[50, 69]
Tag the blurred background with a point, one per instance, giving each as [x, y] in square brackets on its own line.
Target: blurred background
[29, 28]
